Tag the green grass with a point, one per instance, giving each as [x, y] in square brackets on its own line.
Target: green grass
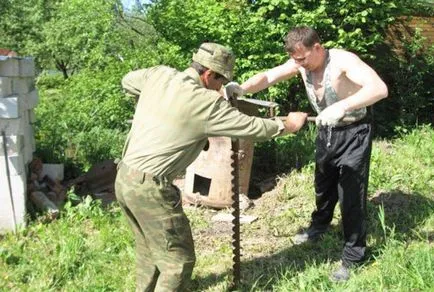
[91, 249]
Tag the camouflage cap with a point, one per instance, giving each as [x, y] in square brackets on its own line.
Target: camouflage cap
[217, 58]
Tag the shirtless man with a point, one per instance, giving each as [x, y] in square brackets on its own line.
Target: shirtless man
[338, 84]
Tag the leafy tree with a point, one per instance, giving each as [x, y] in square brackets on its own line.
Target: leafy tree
[78, 38]
[21, 23]
[99, 42]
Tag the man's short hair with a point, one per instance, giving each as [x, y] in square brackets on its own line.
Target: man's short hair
[303, 34]
[200, 69]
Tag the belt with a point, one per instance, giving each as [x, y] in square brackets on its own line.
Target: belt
[142, 176]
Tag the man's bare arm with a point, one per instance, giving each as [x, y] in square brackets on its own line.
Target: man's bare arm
[372, 88]
[267, 78]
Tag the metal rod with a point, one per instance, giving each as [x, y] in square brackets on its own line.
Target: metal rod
[313, 119]
[8, 174]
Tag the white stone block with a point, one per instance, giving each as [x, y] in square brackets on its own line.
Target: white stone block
[15, 164]
[11, 126]
[15, 126]
[9, 108]
[22, 85]
[31, 99]
[29, 138]
[12, 215]
[5, 86]
[29, 144]
[32, 116]
[28, 154]
[9, 67]
[27, 67]
[33, 143]
[54, 171]
[14, 145]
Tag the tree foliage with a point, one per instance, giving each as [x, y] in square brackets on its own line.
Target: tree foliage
[99, 42]
[256, 29]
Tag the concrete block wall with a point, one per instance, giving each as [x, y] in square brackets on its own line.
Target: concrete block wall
[18, 98]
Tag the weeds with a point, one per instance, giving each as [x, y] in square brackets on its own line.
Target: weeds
[90, 248]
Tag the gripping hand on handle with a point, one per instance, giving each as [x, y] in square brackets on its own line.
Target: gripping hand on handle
[294, 121]
[233, 90]
[331, 115]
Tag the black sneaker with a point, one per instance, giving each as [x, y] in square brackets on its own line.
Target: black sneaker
[341, 274]
[311, 234]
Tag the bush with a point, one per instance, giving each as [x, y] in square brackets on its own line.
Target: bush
[408, 74]
[85, 120]
[49, 80]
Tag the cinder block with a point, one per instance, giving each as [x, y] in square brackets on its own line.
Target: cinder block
[14, 145]
[12, 126]
[32, 116]
[54, 171]
[27, 67]
[5, 86]
[29, 145]
[9, 66]
[9, 108]
[12, 215]
[32, 99]
[17, 126]
[33, 143]
[28, 153]
[15, 164]
[22, 85]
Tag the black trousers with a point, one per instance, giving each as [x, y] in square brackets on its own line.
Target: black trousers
[341, 174]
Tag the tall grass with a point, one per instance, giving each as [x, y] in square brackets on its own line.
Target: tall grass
[91, 248]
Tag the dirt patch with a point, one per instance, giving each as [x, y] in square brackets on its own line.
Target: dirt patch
[393, 201]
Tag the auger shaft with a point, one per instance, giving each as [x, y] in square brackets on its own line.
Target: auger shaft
[236, 268]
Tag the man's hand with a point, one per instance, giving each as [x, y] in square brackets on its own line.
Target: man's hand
[331, 115]
[233, 89]
[294, 121]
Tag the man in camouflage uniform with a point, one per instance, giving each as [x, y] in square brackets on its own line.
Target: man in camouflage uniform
[175, 114]
[338, 84]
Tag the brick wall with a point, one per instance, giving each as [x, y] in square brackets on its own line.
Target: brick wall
[426, 24]
[18, 98]
[404, 29]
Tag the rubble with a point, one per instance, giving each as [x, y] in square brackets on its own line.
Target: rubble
[48, 193]
[43, 204]
[98, 182]
[45, 192]
[225, 217]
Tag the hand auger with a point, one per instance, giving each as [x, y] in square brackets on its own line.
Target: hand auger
[236, 246]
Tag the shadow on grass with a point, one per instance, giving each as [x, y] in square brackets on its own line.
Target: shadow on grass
[404, 211]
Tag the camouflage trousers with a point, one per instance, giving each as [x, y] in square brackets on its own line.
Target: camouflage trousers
[165, 254]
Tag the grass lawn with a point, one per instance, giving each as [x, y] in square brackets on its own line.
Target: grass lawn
[91, 248]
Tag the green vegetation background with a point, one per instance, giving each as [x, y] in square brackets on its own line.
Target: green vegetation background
[82, 55]
[83, 48]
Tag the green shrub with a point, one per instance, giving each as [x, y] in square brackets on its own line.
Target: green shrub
[49, 80]
[85, 120]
